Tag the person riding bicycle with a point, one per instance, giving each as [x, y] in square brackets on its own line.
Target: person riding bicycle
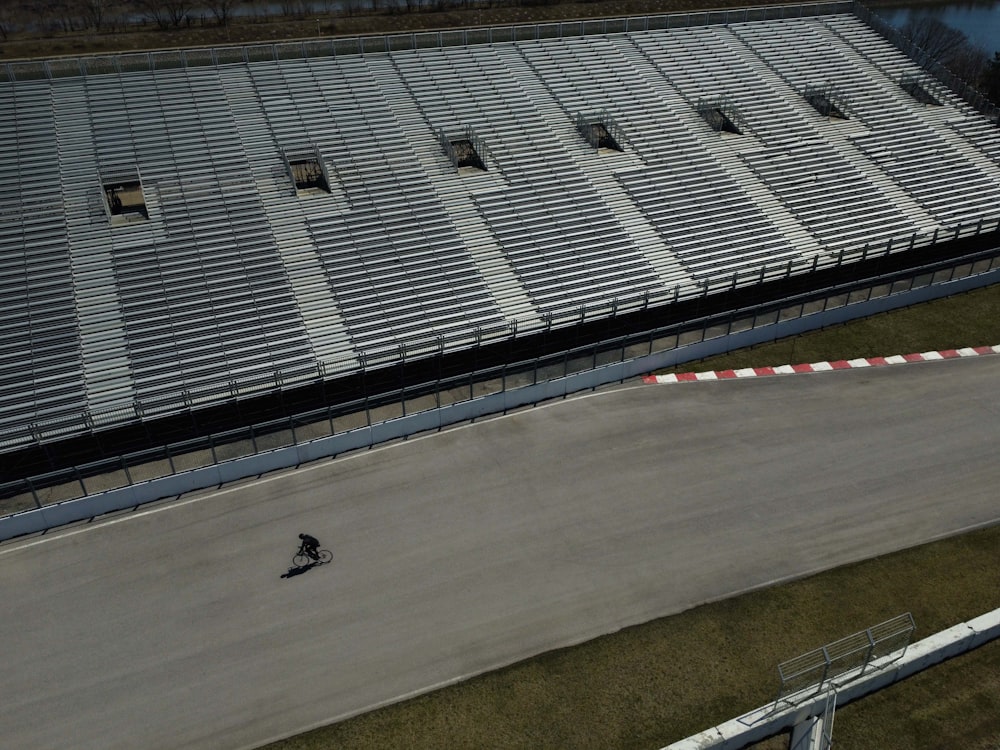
[309, 546]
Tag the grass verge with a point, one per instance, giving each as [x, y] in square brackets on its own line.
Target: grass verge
[652, 684]
[969, 319]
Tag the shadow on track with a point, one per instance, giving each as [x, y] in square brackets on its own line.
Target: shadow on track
[300, 569]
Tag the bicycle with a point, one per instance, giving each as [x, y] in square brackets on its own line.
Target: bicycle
[302, 560]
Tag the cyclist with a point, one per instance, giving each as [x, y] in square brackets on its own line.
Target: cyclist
[309, 546]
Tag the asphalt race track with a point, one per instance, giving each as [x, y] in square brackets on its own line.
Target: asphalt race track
[172, 626]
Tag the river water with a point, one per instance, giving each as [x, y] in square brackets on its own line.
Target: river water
[979, 21]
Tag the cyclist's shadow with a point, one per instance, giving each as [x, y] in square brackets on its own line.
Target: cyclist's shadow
[298, 570]
[303, 561]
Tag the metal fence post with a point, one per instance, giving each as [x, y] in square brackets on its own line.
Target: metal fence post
[826, 669]
[34, 495]
[870, 651]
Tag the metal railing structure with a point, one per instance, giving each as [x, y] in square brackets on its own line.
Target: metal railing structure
[718, 110]
[479, 153]
[673, 344]
[435, 345]
[169, 402]
[763, 722]
[816, 678]
[830, 666]
[590, 126]
[918, 88]
[63, 67]
[172, 401]
[827, 100]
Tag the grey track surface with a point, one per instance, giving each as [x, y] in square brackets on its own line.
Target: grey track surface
[171, 627]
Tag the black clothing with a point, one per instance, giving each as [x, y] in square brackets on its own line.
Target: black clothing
[310, 545]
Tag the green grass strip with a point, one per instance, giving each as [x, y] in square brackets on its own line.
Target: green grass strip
[970, 319]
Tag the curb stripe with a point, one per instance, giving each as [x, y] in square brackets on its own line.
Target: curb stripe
[840, 364]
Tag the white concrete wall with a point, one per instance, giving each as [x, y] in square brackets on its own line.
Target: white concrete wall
[765, 722]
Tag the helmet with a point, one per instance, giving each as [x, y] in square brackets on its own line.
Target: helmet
[302, 536]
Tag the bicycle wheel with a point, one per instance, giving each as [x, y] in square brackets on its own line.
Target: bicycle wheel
[325, 555]
[301, 561]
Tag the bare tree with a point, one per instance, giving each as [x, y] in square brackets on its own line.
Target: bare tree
[937, 42]
[989, 80]
[54, 15]
[969, 63]
[292, 8]
[151, 10]
[164, 13]
[351, 7]
[9, 19]
[177, 10]
[94, 13]
[222, 10]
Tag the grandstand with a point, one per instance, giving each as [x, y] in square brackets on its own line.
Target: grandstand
[183, 228]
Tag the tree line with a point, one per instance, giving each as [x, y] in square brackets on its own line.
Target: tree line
[120, 16]
[937, 42]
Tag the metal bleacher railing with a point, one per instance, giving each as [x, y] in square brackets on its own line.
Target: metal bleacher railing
[260, 316]
[142, 466]
[375, 358]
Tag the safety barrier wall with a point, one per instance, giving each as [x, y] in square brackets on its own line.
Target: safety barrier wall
[69, 511]
[765, 722]
[64, 483]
